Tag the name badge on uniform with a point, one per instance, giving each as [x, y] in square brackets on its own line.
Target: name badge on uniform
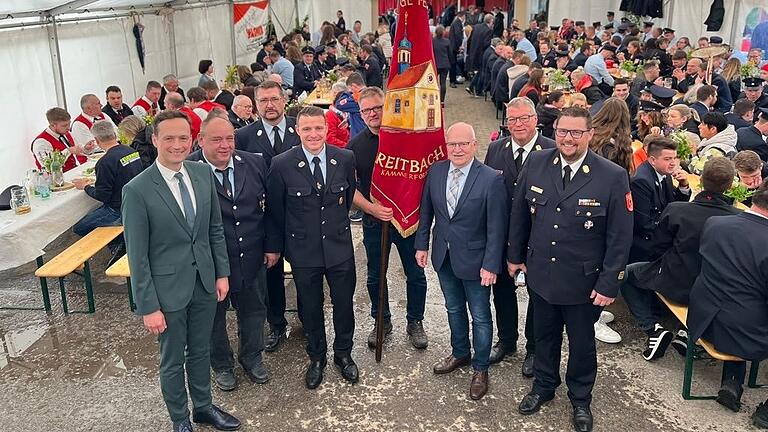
[537, 189]
[589, 202]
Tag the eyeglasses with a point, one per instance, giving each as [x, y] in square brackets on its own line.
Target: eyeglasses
[463, 144]
[376, 108]
[265, 101]
[521, 119]
[575, 133]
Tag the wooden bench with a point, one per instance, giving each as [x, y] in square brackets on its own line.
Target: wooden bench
[76, 257]
[121, 269]
[681, 313]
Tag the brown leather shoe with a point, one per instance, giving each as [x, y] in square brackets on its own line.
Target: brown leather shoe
[449, 364]
[479, 386]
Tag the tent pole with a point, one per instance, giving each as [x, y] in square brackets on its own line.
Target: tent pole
[735, 26]
[298, 18]
[172, 46]
[58, 74]
[232, 46]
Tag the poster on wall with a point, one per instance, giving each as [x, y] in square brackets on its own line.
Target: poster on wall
[250, 21]
[754, 27]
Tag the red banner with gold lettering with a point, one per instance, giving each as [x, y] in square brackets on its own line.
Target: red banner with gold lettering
[411, 137]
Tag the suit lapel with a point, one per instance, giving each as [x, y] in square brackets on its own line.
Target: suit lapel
[443, 184]
[508, 153]
[582, 176]
[474, 169]
[167, 196]
[197, 185]
[261, 134]
[330, 165]
[556, 173]
[239, 174]
[301, 164]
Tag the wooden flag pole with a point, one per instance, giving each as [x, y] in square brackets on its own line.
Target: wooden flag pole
[383, 294]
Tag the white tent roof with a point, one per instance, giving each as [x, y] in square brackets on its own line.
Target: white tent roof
[22, 8]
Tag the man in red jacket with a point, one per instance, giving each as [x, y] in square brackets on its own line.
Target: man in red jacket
[57, 137]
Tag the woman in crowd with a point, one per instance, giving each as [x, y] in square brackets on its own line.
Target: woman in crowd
[732, 75]
[246, 77]
[578, 100]
[548, 111]
[532, 89]
[139, 136]
[327, 34]
[613, 129]
[586, 85]
[293, 54]
[683, 44]
[205, 67]
[385, 42]
[679, 117]
[649, 116]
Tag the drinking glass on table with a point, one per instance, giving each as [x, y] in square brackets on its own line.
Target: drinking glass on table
[668, 82]
[20, 200]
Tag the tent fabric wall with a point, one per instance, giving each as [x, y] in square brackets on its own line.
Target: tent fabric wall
[202, 33]
[28, 68]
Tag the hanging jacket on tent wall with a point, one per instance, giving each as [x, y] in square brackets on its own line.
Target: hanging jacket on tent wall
[716, 14]
[651, 8]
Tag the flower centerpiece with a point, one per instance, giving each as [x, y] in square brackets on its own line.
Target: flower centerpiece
[748, 70]
[739, 192]
[231, 80]
[53, 164]
[684, 150]
[148, 119]
[629, 67]
[557, 80]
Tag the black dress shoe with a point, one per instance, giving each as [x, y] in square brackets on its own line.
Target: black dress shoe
[217, 418]
[273, 339]
[117, 253]
[258, 374]
[184, 426]
[225, 380]
[582, 419]
[532, 402]
[729, 395]
[348, 368]
[314, 375]
[499, 352]
[527, 368]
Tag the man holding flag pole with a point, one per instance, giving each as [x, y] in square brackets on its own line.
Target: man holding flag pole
[410, 140]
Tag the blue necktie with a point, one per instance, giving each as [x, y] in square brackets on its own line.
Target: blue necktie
[186, 200]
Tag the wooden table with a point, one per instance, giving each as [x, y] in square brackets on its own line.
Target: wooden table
[319, 98]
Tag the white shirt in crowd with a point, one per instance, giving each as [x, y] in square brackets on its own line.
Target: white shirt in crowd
[173, 184]
[42, 148]
[574, 165]
[139, 111]
[527, 148]
[82, 133]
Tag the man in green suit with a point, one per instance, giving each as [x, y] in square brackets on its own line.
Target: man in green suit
[179, 267]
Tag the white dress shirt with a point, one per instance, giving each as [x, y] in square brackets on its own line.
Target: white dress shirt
[139, 110]
[82, 134]
[574, 165]
[462, 180]
[41, 148]
[527, 148]
[173, 184]
[311, 156]
[268, 128]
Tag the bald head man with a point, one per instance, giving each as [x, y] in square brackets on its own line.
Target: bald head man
[467, 202]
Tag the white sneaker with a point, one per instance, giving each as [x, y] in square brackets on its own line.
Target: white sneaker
[606, 317]
[603, 333]
[459, 79]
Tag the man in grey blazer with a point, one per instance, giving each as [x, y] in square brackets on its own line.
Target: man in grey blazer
[467, 201]
[179, 266]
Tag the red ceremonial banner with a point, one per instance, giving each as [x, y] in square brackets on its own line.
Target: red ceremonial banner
[411, 137]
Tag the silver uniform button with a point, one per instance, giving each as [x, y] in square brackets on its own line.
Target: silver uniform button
[558, 209]
[589, 213]
[556, 227]
[323, 237]
[241, 254]
[554, 259]
[240, 239]
[234, 207]
[554, 243]
[237, 223]
[322, 223]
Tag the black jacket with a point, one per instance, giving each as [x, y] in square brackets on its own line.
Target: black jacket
[675, 259]
[562, 235]
[649, 203]
[749, 138]
[456, 35]
[501, 156]
[371, 71]
[729, 300]
[142, 143]
[236, 121]
[253, 138]
[311, 227]
[479, 40]
[547, 116]
[243, 217]
[442, 50]
[304, 78]
[119, 115]
[116, 168]
[737, 121]
[164, 92]
[225, 98]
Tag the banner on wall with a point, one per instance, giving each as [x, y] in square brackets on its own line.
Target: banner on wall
[250, 21]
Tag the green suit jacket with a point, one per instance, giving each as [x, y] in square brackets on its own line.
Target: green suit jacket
[164, 254]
